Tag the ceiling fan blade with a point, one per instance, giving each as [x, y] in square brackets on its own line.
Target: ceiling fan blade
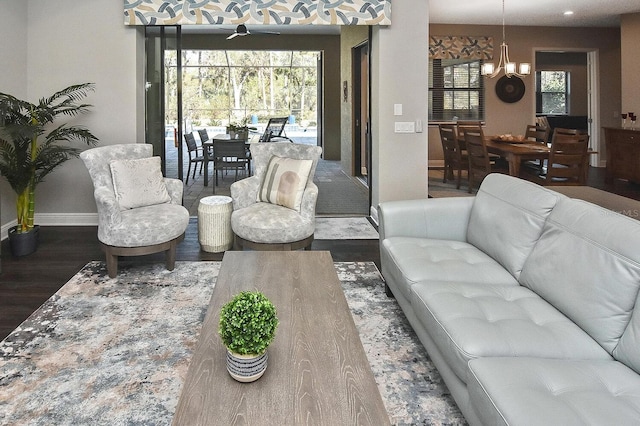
[267, 32]
[234, 35]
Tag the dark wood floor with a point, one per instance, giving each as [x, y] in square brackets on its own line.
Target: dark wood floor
[25, 283]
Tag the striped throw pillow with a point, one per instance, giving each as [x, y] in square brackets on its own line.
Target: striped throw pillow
[284, 181]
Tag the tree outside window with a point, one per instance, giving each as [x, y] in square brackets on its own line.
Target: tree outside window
[231, 86]
[552, 92]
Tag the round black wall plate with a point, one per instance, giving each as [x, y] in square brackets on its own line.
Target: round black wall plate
[510, 89]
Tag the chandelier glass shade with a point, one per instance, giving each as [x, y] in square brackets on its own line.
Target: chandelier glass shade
[505, 64]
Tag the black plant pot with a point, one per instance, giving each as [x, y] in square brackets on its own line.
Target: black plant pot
[23, 243]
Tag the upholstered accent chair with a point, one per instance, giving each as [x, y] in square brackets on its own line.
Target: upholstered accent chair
[266, 216]
[139, 211]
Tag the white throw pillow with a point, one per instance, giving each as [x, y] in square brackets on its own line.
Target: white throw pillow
[138, 183]
[284, 182]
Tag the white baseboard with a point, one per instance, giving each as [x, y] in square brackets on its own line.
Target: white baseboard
[374, 215]
[56, 219]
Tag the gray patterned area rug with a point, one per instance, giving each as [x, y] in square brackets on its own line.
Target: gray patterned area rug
[116, 351]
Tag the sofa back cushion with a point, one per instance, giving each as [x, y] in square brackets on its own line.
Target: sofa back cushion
[507, 219]
[628, 349]
[587, 264]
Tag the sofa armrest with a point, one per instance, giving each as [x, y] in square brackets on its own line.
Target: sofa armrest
[439, 218]
[175, 188]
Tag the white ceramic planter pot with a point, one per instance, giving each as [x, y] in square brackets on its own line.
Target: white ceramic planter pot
[246, 368]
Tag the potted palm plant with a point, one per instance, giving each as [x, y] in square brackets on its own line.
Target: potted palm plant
[32, 146]
[248, 325]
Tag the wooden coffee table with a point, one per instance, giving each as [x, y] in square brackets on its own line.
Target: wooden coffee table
[317, 373]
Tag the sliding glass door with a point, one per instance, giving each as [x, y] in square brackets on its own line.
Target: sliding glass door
[163, 100]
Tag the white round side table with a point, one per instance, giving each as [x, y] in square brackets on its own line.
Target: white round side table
[214, 223]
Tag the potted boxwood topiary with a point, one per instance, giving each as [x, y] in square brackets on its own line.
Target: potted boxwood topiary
[248, 325]
[26, 158]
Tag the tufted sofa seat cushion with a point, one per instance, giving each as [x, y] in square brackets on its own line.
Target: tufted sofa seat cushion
[468, 321]
[536, 391]
[269, 223]
[412, 260]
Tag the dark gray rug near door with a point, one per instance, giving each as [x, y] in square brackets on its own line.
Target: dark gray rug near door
[116, 351]
[339, 194]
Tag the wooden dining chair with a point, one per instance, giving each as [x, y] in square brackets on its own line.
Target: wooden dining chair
[466, 124]
[454, 158]
[540, 134]
[567, 159]
[537, 133]
[478, 157]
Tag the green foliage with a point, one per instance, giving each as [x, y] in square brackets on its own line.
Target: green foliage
[30, 145]
[248, 323]
[220, 87]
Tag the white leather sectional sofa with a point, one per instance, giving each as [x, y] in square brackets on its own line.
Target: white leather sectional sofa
[526, 300]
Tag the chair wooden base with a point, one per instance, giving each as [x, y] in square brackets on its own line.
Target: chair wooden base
[241, 244]
[112, 253]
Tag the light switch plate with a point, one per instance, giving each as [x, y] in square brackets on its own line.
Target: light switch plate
[405, 127]
[397, 109]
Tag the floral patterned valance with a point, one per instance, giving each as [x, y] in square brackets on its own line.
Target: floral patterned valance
[257, 12]
[460, 47]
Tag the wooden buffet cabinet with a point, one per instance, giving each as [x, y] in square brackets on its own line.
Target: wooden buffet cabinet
[623, 154]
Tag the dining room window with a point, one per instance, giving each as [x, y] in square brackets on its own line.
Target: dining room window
[552, 92]
[456, 90]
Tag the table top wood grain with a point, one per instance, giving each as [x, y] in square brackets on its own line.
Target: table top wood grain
[317, 371]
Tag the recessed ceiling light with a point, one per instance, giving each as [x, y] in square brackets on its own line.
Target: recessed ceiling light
[568, 13]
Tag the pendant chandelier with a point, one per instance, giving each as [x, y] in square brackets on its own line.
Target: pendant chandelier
[505, 64]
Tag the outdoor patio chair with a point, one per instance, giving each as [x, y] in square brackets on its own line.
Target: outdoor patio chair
[196, 155]
[274, 130]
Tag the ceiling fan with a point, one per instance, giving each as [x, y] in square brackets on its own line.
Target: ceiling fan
[242, 30]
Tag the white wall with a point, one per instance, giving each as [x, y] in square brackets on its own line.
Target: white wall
[70, 42]
[400, 67]
[13, 77]
[66, 47]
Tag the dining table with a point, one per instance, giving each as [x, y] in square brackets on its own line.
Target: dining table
[517, 151]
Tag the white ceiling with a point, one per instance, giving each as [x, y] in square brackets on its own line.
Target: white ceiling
[587, 13]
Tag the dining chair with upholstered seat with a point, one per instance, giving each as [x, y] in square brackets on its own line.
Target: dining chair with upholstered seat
[196, 155]
[477, 156]
[275, 208]
[568, 159]
[454, 158]
[139, 211]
